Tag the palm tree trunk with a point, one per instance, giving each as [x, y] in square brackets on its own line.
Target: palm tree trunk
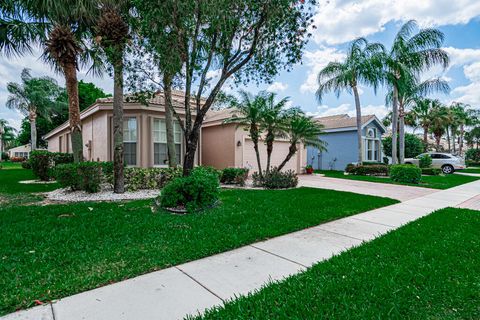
[437, 140]
[425, 138]
[401, 133]
[167, 86]
[394, 125]
[254, 136]
[269, 139]
[358, 111]
[291, 151]
[462, 133]
[118, 172]
[32, 117]
[448, 141]
[454, 138]
[70, 72]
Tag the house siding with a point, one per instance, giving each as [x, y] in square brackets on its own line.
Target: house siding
[341, 150]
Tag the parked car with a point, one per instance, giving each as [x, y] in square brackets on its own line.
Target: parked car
[445, 161]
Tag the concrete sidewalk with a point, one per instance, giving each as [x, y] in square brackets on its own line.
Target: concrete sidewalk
[192, 287]
[394, 191]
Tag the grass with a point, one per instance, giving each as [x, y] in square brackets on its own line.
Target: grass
[429, 269]
[471, 170]
[49, 252]
[10, 165]
[434, 182]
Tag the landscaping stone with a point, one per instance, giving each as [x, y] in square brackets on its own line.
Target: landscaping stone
[66, 195]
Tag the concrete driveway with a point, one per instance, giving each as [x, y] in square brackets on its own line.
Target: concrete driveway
[394, 191]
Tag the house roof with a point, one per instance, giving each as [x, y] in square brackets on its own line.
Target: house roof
[343, 122]
[219, 115]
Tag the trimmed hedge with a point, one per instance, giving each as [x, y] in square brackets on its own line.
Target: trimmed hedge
[367, 170]
[85, 176]
[425, 161]
[406, 173]
[431, 171]
[147, 178]
[473, 155]
[236, 176]
[198, 191]
[41, 164]
[276, 179]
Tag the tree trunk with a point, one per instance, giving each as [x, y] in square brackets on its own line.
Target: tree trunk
[437, 140]
[425, 138]
[118, 161]
[291, 151]
[269, 139]
[191, 141]
[460, 146]
[70, 72]
[254, 136]
[32, 117]
[454, 138]
[358, 110]
[448, 141]
[394, 125]
[401, 133]
[167, 86]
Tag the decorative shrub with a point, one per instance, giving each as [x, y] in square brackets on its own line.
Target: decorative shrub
[431, 171]
[195, 192]
[107, 172]
[413, 146]
[234, 176]
[67, 176]
[276, 179]
[372, 163]
[425, 161]
[473, 155]
[406, 173]
[85, 176]
[367, 170]
[472, 163]
[4, 156]
[17, 159]
[26, 164]
[61, 158]
[41, 164]
[148, 178]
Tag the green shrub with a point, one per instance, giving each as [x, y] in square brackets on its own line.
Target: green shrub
[4, 156]
[276, 179]
[406, 173]
[431, 171]
[367, 170]
[195, 192]
[472, 163]
[234, 176]
[61, 158]
[425, 161]
[372, 163]
[148, 178]
[26, 164]
[41, 164]
[473, 155]
[90, 174]
[67, 176]
[413, 146]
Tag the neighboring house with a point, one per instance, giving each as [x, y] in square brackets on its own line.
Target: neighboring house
[229, 145]
[20, 151]
[342, 146]
[144, 132]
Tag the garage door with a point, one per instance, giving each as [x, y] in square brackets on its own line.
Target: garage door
[280, 151]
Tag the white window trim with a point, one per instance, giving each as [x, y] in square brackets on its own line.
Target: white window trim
[374, 149]
[137, 146]
[153, 144]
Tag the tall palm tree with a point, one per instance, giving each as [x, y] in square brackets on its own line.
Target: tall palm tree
[62, 28]
[421, 111]
[249, 112]
[7, 136]
[410, 55]
[273, 122]
[113, 32]
[33, 97]
[463, 117]
[302, 129]
[361, 66]
[472, 138]
[440, 121]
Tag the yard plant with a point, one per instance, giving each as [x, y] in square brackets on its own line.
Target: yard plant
[405, 173]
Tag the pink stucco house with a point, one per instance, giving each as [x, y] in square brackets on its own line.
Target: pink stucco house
[221, 145]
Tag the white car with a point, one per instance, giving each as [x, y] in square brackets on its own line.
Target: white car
[445, 161]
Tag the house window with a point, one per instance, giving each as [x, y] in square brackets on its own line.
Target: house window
[130, 141]
[372, 145]
[159, 133]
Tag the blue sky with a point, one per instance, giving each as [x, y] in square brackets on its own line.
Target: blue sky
[338, 22]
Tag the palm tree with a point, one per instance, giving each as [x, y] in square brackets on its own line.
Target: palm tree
[250, 110]
[7, 136]
[472, 137]
[62, 28]
[463, 117]
[33, 97]
[440, 121]
[113, 32]
[302, 129]
[421, 111]
[272, 122]
[361, 66]
[410, 55]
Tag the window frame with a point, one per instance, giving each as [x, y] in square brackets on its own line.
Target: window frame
[153, 142]
[137, 153]
[375, 141]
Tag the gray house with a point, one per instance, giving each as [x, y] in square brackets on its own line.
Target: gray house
[341, 137]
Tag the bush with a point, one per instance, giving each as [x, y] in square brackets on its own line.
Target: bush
[61, 158]
[425, 161]
[85, 176]
[367, 170]
[431, 171]
[276, 179]
[472, 163]
[148, 178]
[17, 159]
[473, 155]
[67, 176]
[26, 164]
[413, 146]
[371, 163]
[4, 156]
[234, 176]
[195, 192]
[406, 173]
[41, 164]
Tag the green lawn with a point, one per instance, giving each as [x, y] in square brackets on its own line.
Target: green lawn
[429, 269]
[10, 165]
[435, 182]
[49, 252]
[471, 170]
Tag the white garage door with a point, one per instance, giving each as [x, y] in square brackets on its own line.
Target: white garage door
[280, 151]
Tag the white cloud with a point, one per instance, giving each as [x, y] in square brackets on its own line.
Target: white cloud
[460, 57]
[277, 87]
[323, 111]
[317, 60]
[340, 21]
